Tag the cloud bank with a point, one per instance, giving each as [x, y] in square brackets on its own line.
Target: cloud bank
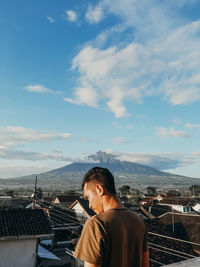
[157, 53]
[12, 135]
[160, 161]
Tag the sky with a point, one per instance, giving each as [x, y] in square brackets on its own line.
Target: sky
[80, 76]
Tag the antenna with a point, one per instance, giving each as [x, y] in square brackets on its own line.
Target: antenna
[34, 196]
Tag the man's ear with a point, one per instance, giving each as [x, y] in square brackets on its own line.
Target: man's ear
[99, 189]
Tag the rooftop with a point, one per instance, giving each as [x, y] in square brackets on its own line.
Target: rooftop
[23, 223]
[69, 198]
[192, 262]
[85, 205]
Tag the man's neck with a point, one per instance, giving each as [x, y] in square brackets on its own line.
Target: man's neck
[111, 202]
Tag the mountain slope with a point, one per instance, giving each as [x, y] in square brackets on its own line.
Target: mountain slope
[134, 174]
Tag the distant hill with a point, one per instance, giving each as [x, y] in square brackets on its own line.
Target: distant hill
[134, 174]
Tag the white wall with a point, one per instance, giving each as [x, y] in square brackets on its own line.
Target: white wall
[18, 253]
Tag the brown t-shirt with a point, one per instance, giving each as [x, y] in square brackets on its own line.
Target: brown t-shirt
[114, 238]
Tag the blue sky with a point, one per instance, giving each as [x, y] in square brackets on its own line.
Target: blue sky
[82, 76]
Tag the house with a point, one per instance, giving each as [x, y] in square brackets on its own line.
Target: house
[30, 206]
[64, 201]
[20, 230]
[5, 201]
[150, 200]
[82, 210]
[183, 205]
[197, 207]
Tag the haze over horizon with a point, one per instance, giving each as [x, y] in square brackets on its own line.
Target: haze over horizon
[82, 76]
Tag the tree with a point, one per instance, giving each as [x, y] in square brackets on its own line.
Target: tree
[195, 189]
[135, 191]
[151, 190]
[173, 193]
[10, 193]
[124, 190]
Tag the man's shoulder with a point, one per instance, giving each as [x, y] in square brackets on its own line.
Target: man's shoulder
[116, 213]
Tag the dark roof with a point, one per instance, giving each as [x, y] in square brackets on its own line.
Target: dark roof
[186, 225]
[23, 222]
[48, 199]
[66, 198]
[184, 201]
[157, 210]
[85, 205]
[157, 242]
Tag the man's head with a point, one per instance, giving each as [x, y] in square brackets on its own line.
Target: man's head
[97, 183]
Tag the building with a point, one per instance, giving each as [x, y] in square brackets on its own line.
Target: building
[20, 230]
[183, 205]
[82, 210]
[5, 201]
[64, 201]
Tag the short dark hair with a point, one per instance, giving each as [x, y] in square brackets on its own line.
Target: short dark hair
[101, 175]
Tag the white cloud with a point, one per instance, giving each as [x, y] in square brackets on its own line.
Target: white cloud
[37, 88]
[192, 126]
[170, 132]
[160, 161]
[105, 74]
[94, 14]
[161, 58]
[50, 19]
[12, 135]
[71, 15]
[120, 140]
[12, 154]
[195, 78]
[72, 101]
[116, 124]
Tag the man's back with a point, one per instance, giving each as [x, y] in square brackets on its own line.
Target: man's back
[115, 238]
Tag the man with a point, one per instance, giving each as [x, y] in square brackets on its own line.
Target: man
[116, 236]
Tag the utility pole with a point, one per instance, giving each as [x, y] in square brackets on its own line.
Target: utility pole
[35, 192]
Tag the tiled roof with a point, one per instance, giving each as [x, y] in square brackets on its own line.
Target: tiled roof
[186, 225]
[23, 222]
[66, 198]
[159, 244]
[179, 201]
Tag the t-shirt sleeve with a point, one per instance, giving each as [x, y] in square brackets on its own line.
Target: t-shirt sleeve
[91, 245]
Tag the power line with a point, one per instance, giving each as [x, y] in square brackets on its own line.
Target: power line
[58, 223]
[172, 250]
[167, 252]
[57, 215]
[173, 238]
[58, 211]
[157, 262]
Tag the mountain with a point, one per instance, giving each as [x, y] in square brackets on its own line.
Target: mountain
[134, 174]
